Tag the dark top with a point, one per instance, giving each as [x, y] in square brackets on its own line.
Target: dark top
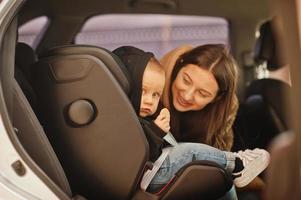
[135, 61]
[154, 137]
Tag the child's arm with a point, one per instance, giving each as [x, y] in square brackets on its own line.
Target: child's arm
[163, 120]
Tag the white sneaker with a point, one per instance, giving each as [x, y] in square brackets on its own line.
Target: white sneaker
[254, 161]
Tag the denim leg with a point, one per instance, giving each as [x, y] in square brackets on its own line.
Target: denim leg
[184, 153]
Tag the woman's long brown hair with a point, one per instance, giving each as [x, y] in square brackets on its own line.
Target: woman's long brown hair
[211, 125]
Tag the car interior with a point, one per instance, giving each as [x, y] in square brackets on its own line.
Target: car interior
[71, 117]
[262, 114]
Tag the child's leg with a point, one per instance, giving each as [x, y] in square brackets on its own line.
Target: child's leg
[184, 153]
[253, 162]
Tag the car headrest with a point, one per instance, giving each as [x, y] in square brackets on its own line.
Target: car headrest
[266, 47]
[113, 63]
[25, 57]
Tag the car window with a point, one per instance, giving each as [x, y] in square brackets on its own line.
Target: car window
[155, 33]
[31, 31]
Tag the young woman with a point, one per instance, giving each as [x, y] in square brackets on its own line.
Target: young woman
[200, 92]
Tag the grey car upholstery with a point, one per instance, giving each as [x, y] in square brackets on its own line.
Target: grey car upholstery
[82, 93]
[28, 129]
[33, 139]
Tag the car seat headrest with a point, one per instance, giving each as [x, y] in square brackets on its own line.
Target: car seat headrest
[266, 47]
[25, 57]
[112, 62]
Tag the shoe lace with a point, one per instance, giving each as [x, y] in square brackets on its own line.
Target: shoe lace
[247, 156]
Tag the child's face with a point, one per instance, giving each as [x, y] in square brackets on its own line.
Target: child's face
[152, 88]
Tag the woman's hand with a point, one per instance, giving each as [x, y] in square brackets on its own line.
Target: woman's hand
[163, 120]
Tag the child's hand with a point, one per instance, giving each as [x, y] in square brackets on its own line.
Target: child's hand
[163, 120]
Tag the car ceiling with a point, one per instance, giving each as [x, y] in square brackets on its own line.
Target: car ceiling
[230, 9]
[243, 15]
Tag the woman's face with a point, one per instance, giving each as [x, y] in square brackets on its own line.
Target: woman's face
[193, 88]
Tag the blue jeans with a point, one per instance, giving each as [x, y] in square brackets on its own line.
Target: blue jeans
[183, 154]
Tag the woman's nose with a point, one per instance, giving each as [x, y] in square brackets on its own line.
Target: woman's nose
[188, 95]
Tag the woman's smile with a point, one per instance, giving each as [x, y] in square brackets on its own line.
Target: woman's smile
[182, 101]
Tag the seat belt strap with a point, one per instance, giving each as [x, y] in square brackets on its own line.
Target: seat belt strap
[149, 174]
